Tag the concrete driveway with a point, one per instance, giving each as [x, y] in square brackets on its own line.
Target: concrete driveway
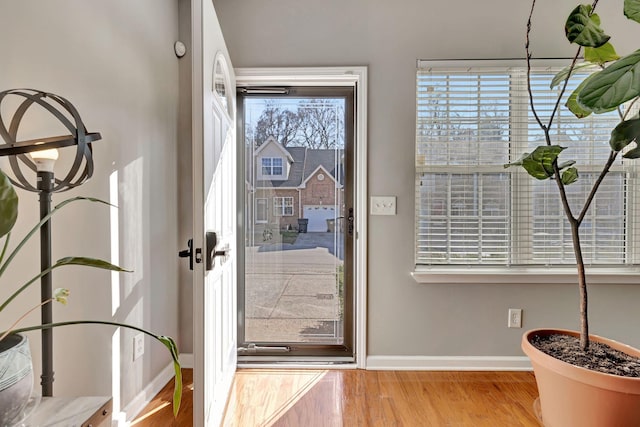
[291, 291]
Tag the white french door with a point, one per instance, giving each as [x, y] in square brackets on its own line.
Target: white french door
[215, 221]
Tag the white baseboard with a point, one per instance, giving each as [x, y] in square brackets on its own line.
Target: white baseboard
[142, 399]
[449, 363]
[186, 360]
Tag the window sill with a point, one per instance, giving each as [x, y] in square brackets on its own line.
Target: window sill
[524, 275]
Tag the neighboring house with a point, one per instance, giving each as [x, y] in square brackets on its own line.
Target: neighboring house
[288, 183]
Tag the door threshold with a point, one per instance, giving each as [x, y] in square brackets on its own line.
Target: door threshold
[297, 362]
[296, 365]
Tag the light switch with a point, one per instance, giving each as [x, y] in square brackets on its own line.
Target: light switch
[383, 205]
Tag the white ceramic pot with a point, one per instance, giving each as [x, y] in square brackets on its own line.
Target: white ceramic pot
[16, 378]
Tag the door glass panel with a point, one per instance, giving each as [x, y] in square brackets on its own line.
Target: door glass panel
[294, 221]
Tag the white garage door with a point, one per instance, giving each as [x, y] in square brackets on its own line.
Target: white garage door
[318, 216]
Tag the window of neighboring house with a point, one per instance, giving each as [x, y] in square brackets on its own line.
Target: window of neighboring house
[283, 206]
[272, 166]
[471, 210]
[262, 210]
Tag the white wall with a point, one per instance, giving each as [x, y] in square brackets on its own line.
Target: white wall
[406, 318]
[114, 61]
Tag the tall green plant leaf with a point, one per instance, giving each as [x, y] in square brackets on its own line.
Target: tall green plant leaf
[177, 387]
[583, 28]
[89, 262]
[569, 176]
[574, 106]
[623, 134]
[564, 73]
[539, 163]
[616, 84]
[632, 9]
[632, 154]
[601, 55]
[8, 205]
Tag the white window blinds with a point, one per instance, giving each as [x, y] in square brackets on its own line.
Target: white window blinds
[471, 210]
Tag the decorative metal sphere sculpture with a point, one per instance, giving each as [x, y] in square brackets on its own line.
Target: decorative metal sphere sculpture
[66, 114]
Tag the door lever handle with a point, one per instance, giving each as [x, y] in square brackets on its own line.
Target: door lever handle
[188, 253]
[350, 221]
[212, 241]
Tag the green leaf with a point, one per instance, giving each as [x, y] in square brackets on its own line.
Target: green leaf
[573, 105]
[632, 154]
[177, 387]
[89, 262]
[632, 9]
[564, 73]
[624, 133]
[539, 163]
[517, 162]
[611, 87]
[584, 29]
[8, 205]
[569, 176]
[601, 55]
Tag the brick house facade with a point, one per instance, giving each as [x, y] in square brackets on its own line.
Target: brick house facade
[290, 183]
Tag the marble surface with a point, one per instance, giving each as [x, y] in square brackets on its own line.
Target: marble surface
[64, 411]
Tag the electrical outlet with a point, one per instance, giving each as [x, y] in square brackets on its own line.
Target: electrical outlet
[138, 346]
[515, 318]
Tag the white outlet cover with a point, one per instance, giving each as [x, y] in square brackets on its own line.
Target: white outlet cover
[138, 346]
[383, 205]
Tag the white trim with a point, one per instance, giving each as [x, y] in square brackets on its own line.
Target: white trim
[336, 76]
[255, 213]
[142, 399]
[522, 275]
[449, 363]
[186, 360]
[272, 140]
[276, 188]
[297, 365]
[272, 177]
[197, 138]
[283, 206]
[302, 76]
[361, 242]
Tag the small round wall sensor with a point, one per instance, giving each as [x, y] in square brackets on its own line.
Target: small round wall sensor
[180, 49]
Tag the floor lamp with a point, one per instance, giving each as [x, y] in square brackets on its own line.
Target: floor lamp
[39, 155]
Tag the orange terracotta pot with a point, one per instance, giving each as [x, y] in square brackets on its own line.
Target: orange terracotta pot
[573, 396]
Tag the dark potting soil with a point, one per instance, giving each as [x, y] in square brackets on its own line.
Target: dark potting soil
[600, 357]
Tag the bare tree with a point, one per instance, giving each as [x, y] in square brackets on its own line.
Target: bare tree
[321, 123]
[282, 124]
[313, 123]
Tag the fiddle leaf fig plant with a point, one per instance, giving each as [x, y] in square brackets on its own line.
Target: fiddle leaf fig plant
[8, 217]
[615, 85]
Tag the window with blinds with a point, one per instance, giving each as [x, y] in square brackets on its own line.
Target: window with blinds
[471, 210]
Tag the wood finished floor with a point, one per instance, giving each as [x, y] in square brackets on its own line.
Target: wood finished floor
[346, 398]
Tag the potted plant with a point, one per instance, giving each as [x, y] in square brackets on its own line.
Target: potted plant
[574, 395]
[13, 346]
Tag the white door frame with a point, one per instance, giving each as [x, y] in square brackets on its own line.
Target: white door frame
[336, 76]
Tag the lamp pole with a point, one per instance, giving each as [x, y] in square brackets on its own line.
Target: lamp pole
[44, 161]
[39, 155]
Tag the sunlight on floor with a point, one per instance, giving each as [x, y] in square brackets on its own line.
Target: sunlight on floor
[285, 388]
